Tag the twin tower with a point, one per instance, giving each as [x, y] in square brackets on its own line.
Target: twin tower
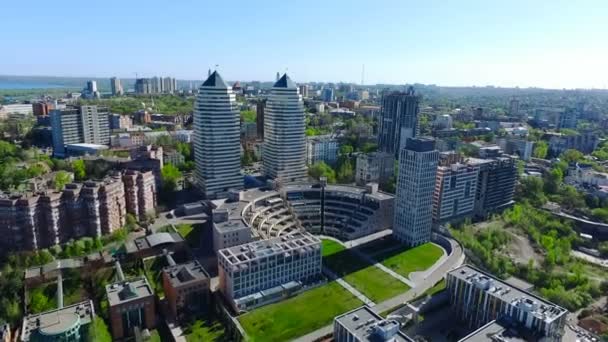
[217, 136]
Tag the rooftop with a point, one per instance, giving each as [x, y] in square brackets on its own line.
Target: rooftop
[58, 321]
[366, 325]
[285, 82]
[152, 241]
[500, 331]
[215, 80]
[354, 190]
[292, 243]
[537, 306]
[126, 291]
[185, 273]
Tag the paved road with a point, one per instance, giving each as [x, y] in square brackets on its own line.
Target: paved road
[432, 276]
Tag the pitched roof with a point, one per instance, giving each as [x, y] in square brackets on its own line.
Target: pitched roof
[285, 82]
[215, 80]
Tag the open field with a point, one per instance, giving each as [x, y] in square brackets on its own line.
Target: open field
[406, 261]
[299, 315]
[374, 283]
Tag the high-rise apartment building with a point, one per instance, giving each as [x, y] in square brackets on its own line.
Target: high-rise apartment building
[495, 184]
[116, 86]
[415, 186]
[304, 90]
[259, 118]
[477, 298]
[284, 153]
[156, 85]
[168, 85]
[42, 219]
[217, 138]
[514, 107]
[398, 120]
[92, 86]
[74, 125]
[375, 167]
[143, 86]
[567, 119]
[455, 190]
[321, 148]
[264, 271]
[327, 95]
[42, 108]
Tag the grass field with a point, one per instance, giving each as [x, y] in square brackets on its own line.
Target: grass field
[374, 283]
[411, 260]
[299, 315]
[190, 233]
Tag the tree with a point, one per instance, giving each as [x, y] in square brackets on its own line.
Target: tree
[531, 188]
[346, 172]
[321, 169]
[540, 149]
[185, 150]
[571, 156]
[554, 180]
[39, 302]
[61, 179]
[98, 331]
[346, 150]
[130, 222]
[170, 176]
[248, 116]
[571, 198]
[80, 170]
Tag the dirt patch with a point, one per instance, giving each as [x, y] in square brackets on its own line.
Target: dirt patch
[521, 250]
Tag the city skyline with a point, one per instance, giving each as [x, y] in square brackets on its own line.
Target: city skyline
[542, 44]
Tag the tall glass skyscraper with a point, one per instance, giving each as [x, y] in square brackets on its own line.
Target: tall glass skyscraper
[284, 153]
[398, 120]
[217, 138]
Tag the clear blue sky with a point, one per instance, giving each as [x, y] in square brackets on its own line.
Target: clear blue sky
[548, 43]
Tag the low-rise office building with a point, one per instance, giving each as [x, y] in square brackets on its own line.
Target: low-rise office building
[478, 298]
[131, 305]
[70, 323]
[186, 288]
[376, 167]
[265, 271]
[321, 148]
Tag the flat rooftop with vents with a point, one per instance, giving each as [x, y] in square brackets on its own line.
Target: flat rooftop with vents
[58, 324]
[363, 324]
[126, 291]
[293, 243]
[185, 273]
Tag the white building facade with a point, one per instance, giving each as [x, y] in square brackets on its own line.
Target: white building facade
[415, 186]
[321, 148]
[217, 139]
[284, 154]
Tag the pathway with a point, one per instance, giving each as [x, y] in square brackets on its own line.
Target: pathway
[348, 287]
[455, 259]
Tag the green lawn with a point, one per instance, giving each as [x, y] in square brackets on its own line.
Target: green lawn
[190, 233]
[205, 330]
[153, 270]
[299, 315]
[410, 260]
[368, 279]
